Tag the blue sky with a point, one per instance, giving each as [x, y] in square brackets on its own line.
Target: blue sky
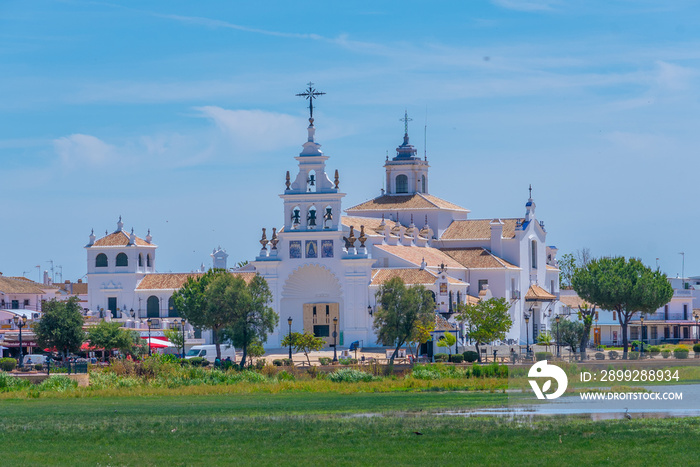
[182, 117]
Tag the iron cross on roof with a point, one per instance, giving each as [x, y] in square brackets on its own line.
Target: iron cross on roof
[311, 94]
[405, 121]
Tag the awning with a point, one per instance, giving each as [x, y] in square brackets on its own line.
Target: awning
[86, 346]
[155, 343]
[537, 294]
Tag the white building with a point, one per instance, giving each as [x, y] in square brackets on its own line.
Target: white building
[323, 266]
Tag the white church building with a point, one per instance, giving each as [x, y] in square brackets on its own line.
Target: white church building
[323, 266]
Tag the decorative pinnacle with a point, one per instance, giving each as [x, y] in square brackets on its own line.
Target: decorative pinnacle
[530, 189]
[311, 94]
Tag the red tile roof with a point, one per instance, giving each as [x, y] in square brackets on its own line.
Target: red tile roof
[477, 258]
[414, 254]
[119, 238]
[405, 202]
[173, 281]
[477, 229]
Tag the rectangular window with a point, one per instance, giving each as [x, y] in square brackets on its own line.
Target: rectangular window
[667, 333]
[596, 316]
[654, 332]
[676, 332]
[512, 287]
[112, 306]
[685, 311]
[15, 304]
[482, 283]
[26, 303]
[551, 287]
[614, 315]
[634, 333]
[321, 330]
[666, 312]
[533, 247]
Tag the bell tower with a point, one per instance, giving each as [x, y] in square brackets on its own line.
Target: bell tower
[312, 202]
[406, 173]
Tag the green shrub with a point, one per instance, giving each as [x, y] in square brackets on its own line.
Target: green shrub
[348, 361]
[440, 357]
[457, 358]
[666, 353]
[654, 348]
[10, 383]
[285, 376]
[8, 364]
[39, 367]
[425, 373]
[543, 356]
[681, 352]
[198, 361]
[350, 375]
[600, 356]
[612, 355]
[259, 364]
[696, 347]
[476, 370]
[277, 362]
[58, 384]
[470, 356]
[324, 360]
[632, 355]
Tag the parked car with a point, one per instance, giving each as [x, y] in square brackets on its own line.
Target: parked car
[209, 352]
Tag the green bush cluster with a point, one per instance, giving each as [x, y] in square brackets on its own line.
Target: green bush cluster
[666, 353]
[282, 362]
[470, 356]
[440, 357]
[348, 361]
[8, 364]
[632, 355]
[696, 347]
[681, 351]
[350, 375]
[613, 355]
[438, 371]
[324, 360]
[457, 358]
[599, 356]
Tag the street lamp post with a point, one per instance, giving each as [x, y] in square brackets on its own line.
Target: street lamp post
[149, 322]
[335, 334]
[558, 348]
[20, 323]
[527, 335]
[289, 321]
[641, 337]
[182, 323]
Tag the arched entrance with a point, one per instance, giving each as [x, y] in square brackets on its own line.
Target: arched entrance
[312, 297]
[153, 307]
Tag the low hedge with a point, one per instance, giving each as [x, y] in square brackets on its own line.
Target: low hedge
[440, 357]
[696, 348]
[470, 356]
[612, 355]
[457, 358]
[8, 364]
[665, 353]
[600, 356]
[325, 360]
[632, 355]
[543, 356]
[681, 353]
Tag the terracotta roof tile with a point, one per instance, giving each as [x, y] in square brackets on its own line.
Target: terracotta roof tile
[372, 224]
[173, 281]
[477, 258]
[441, 324]
[414, 254]
[477, 229]
[19, 286]
[410, 276]
[571, 300]
[405, 202]
[537, 294]
[119, 238]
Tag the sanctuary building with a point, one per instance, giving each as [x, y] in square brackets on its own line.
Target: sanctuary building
[324, 268]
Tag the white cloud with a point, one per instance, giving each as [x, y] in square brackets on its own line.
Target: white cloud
[254, 130]
[78, 149]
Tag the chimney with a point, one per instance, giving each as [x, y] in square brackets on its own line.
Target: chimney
[496, 237]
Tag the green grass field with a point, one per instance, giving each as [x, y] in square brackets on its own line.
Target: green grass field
[320, 428]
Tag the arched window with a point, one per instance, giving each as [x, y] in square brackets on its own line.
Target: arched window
[311, 182]
[101, 261]
[423, 184]
[172, 310]
[328, 218]
[122, 259]
[148, 260]
[533, 248]
[152, 307]
[402, 184]
[140, 260]
[296, 216]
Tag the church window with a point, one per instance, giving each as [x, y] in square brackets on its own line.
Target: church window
[423, 184]
[140, 260]
[122, 259]
[101, 261]
[402, 184]
[533, 249]
[148, 261]
[152, 307]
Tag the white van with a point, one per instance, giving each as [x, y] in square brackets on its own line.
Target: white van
[35, 358]
[209, 352]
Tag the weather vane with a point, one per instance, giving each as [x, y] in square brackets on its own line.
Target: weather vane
[405, 121]
[311, 94]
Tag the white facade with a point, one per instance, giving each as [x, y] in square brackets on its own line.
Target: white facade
[320, 265]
